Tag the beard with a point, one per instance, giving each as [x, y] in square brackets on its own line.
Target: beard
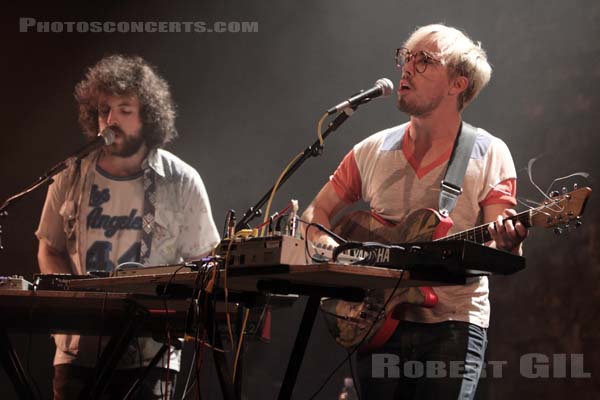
[418, 110]
[129, 144]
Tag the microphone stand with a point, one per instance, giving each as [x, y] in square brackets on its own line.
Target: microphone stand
[42, 180]
[314, 150]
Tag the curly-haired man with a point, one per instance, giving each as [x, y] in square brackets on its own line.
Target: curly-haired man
[129, 202]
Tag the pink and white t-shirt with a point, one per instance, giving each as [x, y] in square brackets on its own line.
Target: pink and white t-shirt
[382, 171]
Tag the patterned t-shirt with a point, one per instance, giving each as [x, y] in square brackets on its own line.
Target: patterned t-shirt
[85, 211]
[112, 209]
[382, 171]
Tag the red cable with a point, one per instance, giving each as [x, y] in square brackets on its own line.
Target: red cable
[279, 215]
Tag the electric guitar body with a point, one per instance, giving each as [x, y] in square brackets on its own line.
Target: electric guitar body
[365, 324]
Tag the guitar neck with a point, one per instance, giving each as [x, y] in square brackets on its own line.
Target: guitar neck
[557, 211]
[480, 234]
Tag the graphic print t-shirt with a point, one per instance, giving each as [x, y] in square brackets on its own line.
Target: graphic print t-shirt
[112, 213]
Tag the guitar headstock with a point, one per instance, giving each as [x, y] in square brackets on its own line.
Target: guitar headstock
[561, 209]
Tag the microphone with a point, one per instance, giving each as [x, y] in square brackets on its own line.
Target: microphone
[383, 87]
[104, 138]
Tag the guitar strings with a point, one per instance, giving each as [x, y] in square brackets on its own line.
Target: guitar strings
[550, 203]
[585, 175]
[529, 169]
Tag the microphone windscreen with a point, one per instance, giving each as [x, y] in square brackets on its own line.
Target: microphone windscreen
[108, 134]
[387, 87]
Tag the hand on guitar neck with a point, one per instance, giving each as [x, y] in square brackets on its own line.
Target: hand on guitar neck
[506, 234]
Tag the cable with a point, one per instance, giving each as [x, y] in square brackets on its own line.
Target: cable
[276, 216]
[320, 259]
[202, 280]
[320, 128]
[199, 365]
[205, 284]
[334, 235]
[164, 293]
[226, 290]
[328, 231]
[189, 376]
[168, 329]
[239, 346]
[126, 264]
[355, 348]
[355, 381]
[274, 190]
[228, 218]
[369, 247]
[195, 318]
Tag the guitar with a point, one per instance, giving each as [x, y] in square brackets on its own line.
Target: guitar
[365, 324]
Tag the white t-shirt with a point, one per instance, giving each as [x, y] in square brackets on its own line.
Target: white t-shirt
[382, 171]
[90, 216]
[112, 209]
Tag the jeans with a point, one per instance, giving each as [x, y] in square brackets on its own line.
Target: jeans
[69, 380]
[425, 361]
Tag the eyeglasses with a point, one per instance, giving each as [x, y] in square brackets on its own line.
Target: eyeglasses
[421, 59]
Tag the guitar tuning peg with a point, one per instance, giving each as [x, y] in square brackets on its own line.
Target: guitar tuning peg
[578, 222]
[575, 186]
[554, 193]
[558, 230]
[564, 190]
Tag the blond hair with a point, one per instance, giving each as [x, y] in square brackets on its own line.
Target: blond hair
[460, 54]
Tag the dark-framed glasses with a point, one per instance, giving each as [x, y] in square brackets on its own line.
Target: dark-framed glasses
[421, 59]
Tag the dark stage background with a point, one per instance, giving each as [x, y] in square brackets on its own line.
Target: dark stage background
[248, 102]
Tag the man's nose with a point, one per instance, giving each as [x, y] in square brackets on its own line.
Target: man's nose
[111, 118]
[408, 68]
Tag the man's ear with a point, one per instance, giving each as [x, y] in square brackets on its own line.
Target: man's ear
[458, 85]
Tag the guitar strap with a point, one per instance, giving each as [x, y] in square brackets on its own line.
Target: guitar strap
[451, 185]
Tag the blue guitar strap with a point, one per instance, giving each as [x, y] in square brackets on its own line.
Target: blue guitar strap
[451, 185]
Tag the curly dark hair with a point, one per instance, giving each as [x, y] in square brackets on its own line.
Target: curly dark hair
[119, 75]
